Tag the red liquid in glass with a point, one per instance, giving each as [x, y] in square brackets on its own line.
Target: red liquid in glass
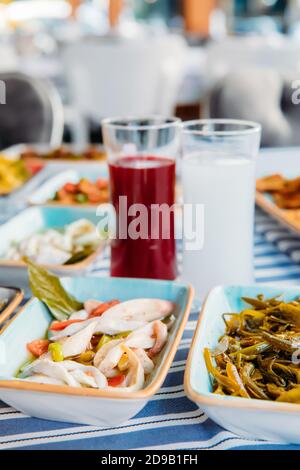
[144, 180]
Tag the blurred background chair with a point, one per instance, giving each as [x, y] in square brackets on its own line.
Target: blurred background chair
[32, 112]
[262, 95]
[121, 57]
[234, 53]
[118, 76]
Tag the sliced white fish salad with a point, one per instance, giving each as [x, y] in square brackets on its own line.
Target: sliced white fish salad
[99, 344]
[57, 246]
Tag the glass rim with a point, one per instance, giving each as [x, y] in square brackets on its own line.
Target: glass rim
[246, 127]
[116, 123]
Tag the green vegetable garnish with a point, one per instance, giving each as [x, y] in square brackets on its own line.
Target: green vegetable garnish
[80, 256]
[257, 356]
[56, 352]
[48, 289]
[87, 356]
[23, 367]
[124, 334]
[81, 198]
[104, 339]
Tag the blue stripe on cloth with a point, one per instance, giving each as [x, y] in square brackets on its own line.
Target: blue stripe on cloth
[270, 252]
[170, 420]
[283, 264]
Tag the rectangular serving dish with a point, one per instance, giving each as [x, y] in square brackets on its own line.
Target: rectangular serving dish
[17, 199]
[83, 405]
[29, 222]
[46, 192]
[250, 418]
[12, 296]
[286, 163]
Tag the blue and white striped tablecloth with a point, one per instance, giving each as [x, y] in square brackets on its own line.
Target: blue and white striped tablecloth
[169, 421]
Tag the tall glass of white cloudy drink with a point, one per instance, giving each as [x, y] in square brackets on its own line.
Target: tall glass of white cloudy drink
[218, 172]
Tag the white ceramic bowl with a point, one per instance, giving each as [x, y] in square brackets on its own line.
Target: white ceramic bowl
[253, 419]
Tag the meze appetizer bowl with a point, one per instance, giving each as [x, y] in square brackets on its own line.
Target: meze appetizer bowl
[82, 187]
[64, 239]
[119, 337]
[243, 368]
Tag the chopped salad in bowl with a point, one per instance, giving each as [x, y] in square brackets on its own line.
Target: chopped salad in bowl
[66, 245]
[95, 344]
[83, 192]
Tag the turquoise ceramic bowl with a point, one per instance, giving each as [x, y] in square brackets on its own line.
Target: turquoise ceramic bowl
[31, 221]
[249, 418]
[89, 406]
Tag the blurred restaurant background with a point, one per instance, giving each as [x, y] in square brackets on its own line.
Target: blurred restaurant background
[67, 64]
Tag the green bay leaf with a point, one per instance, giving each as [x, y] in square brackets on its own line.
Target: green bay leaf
[49, 290]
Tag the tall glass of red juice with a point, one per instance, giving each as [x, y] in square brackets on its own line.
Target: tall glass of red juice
[142, 156]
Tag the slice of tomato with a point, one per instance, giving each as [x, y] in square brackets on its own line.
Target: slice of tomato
[86, 187]
[34, 166]
[62, 193]
[95, 197]
[102, 184]
[70, 188]
[116, 381]
[61, 325]
[38, 347]
[102, 308]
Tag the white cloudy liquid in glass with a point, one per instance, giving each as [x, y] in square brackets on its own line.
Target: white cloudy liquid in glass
[225, 186]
